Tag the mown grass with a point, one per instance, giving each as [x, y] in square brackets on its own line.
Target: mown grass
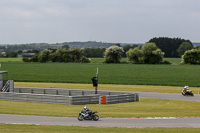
[112, 87]
[165, 75]
[144, 108]
[10, 60]
[173, 60]
[11, 128]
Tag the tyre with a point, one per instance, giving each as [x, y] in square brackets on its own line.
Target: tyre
[95, 117]
[192, 94]
[80, 118]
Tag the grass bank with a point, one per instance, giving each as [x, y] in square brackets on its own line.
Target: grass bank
[11, 128]
[144, 108]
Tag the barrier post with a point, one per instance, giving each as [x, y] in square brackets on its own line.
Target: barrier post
[103, 101]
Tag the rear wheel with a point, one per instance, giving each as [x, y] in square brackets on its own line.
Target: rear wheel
[80, 117]
[95, 117]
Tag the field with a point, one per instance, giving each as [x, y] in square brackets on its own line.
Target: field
[130, 74]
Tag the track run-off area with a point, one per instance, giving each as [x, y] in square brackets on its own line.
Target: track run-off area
[187, 122]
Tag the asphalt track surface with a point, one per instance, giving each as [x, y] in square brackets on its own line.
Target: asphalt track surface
[103, 122]
[113, 122]
[173, 96]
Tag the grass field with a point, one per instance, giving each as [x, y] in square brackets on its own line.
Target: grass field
[144, 108]
[166, 75]
[9, 128]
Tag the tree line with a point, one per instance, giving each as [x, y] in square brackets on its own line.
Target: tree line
[172, 47]
[149, 53]
[60, 55]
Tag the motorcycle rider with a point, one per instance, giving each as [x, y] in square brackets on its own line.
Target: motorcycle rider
[87, 111]
[185, 88]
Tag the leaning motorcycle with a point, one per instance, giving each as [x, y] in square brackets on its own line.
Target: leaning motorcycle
[83, 116]
[187, 92]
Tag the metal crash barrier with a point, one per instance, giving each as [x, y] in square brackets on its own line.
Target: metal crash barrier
[67, 96]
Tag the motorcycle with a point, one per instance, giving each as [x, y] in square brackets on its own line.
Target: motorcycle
[187, 92]
[83, 116]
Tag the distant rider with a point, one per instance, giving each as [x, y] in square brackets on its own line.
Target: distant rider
[186, 88]
[88, 111]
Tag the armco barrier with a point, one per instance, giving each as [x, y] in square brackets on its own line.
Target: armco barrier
[121, 98]
[67, 96]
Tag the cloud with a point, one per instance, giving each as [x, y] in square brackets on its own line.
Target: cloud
[103, 20]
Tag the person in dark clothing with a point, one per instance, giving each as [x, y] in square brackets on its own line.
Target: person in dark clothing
[88, 111]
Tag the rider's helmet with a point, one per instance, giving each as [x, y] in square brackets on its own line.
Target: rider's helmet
[85, 108]
[186, 87]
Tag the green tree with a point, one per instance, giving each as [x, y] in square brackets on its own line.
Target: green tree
[84, 60]
[65, 47]
[152, 54]
[12, 54]
[113, 54]
[44, 56]
[135, 55]
[148, 54]
[75, 54]
[184, 47]
[58, 56]
[93, 52]
[168, 45]
[191, 57]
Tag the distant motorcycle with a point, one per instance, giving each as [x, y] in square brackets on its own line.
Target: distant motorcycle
[187, 92]
[83, 116]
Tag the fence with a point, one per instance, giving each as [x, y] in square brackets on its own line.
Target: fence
[66, 96]
[67, 92]
[25, 97]
[6, 85]
[121, 98]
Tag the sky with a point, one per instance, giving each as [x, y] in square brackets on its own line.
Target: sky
[116, 21]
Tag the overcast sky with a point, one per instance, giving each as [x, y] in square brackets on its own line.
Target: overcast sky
[118, 21]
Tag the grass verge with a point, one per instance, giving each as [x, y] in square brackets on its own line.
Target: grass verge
[114, 87]
[144, 108]
[11, 128]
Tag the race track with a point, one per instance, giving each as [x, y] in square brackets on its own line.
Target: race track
[173, 96]
[103, 122]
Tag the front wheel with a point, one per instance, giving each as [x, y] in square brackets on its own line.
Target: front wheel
[80, 118]
[95, 117]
